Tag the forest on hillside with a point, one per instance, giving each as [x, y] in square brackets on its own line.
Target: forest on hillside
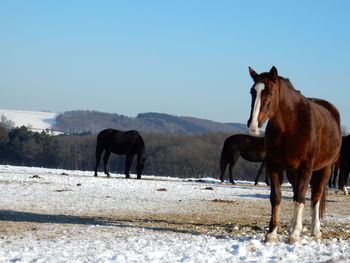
[166, 154]
[79, 121]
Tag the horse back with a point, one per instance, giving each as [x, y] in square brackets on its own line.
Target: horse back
[311, 135]
[251, 148]
[327, 119]
[121, 142]
[329, 107]
[326, 132]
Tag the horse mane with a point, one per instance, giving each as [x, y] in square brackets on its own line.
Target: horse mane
[287, 83]
[288, 87]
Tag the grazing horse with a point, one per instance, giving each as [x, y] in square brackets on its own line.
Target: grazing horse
[344, 166]
[129, 143]
[250, 148]
[303, 137]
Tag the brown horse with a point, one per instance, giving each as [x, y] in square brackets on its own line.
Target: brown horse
[302, 136]
[250, 148]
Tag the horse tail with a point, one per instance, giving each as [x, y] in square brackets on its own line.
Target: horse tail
[99, 146]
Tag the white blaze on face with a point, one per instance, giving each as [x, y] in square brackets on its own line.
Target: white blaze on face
[254, 128]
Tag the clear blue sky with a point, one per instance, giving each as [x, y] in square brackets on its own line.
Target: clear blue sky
[179, 57]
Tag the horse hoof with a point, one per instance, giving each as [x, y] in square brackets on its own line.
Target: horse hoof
[95, 175]
[317, 236]
[108, 175]
[271, 238]
[292, 240]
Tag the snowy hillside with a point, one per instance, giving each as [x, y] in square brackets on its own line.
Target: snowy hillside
[35, 120]
[49, 215]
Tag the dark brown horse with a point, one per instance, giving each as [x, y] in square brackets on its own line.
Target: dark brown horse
[303, 137]
[250, 148]
[128, 143]
[344, 166]
[334, 175]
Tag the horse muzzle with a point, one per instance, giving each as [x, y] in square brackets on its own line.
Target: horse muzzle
[254, 130]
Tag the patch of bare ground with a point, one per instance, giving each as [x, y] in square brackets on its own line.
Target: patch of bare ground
[210, 217]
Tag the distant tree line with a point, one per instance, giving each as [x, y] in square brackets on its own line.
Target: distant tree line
[166, 154]
[79, 121]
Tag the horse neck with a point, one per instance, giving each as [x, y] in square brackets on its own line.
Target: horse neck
[286, 107]
[140, 155]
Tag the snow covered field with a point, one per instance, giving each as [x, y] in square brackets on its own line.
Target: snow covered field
[35, 120]
[49, 215]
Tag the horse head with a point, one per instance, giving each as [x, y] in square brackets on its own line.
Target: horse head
[140, 165]
[265, 93]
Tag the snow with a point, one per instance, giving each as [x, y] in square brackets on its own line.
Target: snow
[50, 216]
[35, 120]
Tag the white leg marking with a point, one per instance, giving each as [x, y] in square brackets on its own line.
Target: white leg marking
[254, 128]
[345, 190]
[315, 224]
[297, 222]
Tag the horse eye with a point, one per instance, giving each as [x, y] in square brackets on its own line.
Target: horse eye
[270, 94]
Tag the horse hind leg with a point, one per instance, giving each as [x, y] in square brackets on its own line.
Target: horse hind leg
[223, 165]
[230, 168]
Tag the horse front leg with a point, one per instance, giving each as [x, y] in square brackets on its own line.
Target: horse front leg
[105, 161]
[275, 200]
[256, 181]
[300, 185]
[128, 161]
[318, 199]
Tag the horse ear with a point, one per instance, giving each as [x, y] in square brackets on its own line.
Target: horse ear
[274, 73]
[253, 74]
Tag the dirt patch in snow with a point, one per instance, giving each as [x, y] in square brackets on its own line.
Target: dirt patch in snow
[211, 217]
